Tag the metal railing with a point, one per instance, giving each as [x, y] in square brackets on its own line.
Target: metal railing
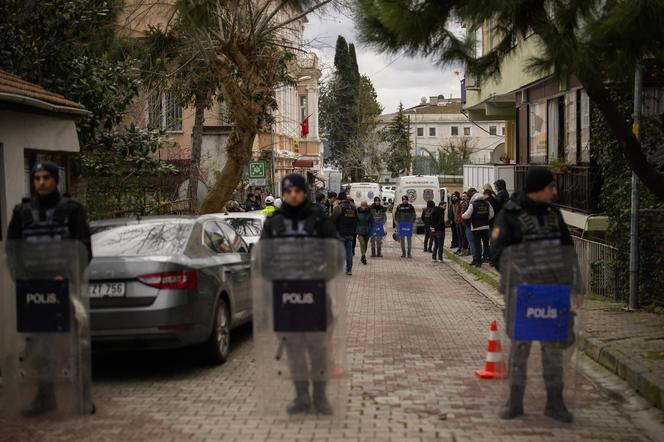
[597, 263]
[578, 187]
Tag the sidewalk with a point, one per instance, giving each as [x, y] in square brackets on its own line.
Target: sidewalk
[629, 344]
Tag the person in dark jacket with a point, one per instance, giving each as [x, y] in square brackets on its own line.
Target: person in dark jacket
[331, 202]
[531, 218]
[251, 203]
[344, 216]
[364, 222]
[461, 207]
[452, 211]
[321, 202]
[426, 220]
[405, 213]
[502, 195]
[379, 216]
[298, 218]
[439, 219]
[49, 217]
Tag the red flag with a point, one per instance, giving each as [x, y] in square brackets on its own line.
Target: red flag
[304, 126]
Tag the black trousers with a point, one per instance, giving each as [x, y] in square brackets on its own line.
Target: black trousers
[438, 241]
[455, 235]
[552, 364]
[428, 239]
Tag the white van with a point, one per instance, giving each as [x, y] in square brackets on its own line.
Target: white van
[419, 189]
[364, 192]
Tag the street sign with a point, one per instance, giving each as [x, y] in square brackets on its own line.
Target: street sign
[257, 169]
[258, 182]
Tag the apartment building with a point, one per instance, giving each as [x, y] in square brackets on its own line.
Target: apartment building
[293, 143]
[547, 122]
[438, 122]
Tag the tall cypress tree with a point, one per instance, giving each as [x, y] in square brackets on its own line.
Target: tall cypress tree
[397, 134]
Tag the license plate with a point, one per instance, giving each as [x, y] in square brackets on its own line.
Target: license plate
[106, 289]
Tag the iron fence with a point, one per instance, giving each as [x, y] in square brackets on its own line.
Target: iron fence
[597, 262]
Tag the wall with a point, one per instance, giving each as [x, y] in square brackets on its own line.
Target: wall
[20, 131]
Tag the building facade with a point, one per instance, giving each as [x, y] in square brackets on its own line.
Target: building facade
[293, 143]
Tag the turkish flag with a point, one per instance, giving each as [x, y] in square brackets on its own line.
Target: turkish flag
[304, 126]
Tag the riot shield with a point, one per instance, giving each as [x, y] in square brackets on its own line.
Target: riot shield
[299, 326]
[543, 295]
[44, 319]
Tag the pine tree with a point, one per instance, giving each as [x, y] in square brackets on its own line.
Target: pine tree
[397, 134]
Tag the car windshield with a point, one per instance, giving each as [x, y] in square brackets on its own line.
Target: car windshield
[142, 240]
[246, 226]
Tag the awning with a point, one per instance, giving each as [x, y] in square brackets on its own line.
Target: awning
[304, 164]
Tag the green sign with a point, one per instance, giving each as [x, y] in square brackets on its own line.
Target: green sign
[257, 169]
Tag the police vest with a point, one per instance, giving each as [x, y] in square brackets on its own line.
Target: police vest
[285, 227]
[533, 230]
[54, 227]
[347, 221]
[480, 216]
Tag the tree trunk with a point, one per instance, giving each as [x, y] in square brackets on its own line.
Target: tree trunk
[632, 149]
[238, 150]
[196, 146]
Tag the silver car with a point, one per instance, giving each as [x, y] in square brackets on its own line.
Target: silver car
[248, 224]
[169, 283]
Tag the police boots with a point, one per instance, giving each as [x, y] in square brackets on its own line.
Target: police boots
[555, 407]
[44, 402]
[321, 403]
[373, 250]
[302, 402]
[514, 406]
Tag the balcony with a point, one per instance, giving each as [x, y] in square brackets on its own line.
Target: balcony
[578, 187]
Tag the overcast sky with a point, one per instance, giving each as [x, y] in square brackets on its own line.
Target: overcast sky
[396, 78]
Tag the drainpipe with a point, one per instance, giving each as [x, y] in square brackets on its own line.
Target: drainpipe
[634, 213]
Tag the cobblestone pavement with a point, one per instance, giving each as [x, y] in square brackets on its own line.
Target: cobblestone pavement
[417, 331]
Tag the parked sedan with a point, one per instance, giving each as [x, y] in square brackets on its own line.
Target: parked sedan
[248, 224]
[169, 283]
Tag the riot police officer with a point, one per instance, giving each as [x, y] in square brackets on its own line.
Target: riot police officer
[48, 217]
[531, 218]
[298, 218]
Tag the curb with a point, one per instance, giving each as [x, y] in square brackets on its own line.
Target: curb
[646, 383]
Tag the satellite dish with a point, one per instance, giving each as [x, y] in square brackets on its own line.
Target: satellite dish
[441, 97]
[423, 100]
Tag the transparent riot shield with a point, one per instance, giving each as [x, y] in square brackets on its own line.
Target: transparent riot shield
[44, 320]
[299, 326]
[543, 294]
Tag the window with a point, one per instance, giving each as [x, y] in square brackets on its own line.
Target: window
[553, 130]
[454, 131]
[214, 239]
[432, 131]
[479, 50]
[303, 108]
[466, 131]
[235, 240]
[164, 112]
[152, 239]
[537, 133]
[420, 131]
[224, 113]
[570, 127]
[503, 130]
[493, 130]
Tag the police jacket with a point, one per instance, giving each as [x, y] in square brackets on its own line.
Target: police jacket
[523, 219]
[250, 206]
[426, 215]
[304, 220]
[502, 197]
[479, 213]
[405, 213]
[378, 213]
[345, 218]
[50, 218]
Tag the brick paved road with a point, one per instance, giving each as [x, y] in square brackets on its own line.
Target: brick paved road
[416, 333]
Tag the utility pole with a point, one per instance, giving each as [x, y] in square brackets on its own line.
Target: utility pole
[634, 213]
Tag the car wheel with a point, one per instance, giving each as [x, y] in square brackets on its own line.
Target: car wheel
[218, 346]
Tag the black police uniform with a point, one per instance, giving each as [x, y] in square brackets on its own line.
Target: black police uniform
[524, 220]
[304, 221]
[49, 218]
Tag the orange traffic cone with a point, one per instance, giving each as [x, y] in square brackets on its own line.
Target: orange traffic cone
[336, 372]
[495, 366]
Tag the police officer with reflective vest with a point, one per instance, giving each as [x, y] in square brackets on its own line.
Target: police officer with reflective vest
[298, 218]
[48, 217]
[530, 217]
[344, 216]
